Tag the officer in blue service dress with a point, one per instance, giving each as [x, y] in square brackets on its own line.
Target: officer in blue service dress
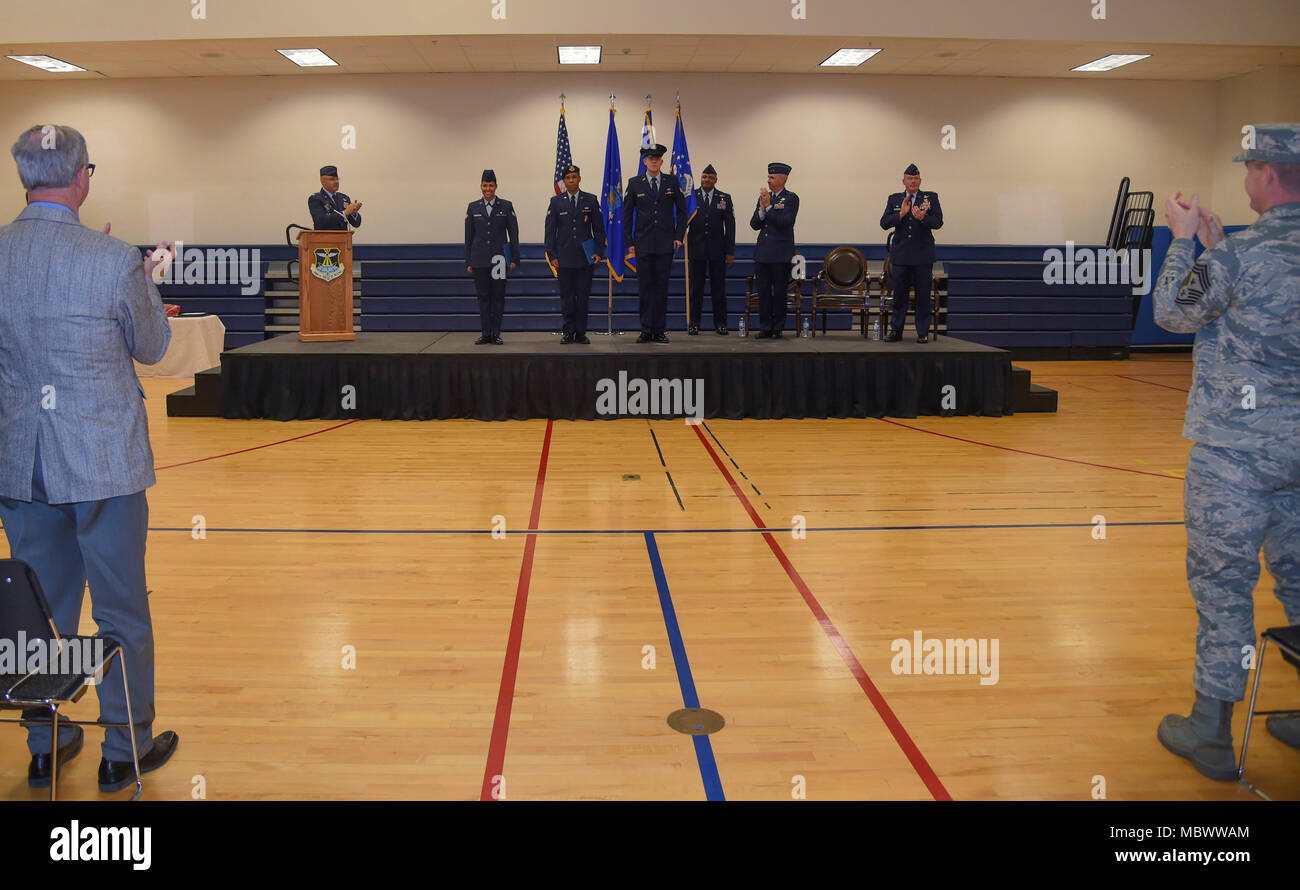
[711, 245]
[654, 224]
[488, 224]
[773, 219]
[573, 219]
[330, 208]
[913, 215]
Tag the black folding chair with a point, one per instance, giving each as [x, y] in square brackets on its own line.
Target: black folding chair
[1288, 640]
[62, 677]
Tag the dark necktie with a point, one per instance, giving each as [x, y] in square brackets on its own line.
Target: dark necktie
[654, 185]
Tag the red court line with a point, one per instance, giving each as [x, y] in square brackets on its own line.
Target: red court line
[1152, 383]
[199, 460]
[496, 757]
[1068, 460]
[886, 713]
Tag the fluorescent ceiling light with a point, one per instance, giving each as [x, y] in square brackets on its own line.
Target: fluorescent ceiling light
[308, 58]
[579, 55]
[46, 63]
[1110, 62]
[848, 58]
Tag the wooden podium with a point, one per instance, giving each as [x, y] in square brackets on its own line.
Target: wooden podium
[325, 285]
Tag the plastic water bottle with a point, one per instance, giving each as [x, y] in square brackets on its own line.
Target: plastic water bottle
[875, 330]
[743, 332]
[805, 332]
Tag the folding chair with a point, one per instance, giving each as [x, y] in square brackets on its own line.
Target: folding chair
[1288, 640]
[25, 615]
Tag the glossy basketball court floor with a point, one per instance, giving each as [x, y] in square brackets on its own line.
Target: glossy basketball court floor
[348, 626]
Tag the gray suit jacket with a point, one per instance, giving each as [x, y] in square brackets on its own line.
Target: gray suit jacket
[75, 308]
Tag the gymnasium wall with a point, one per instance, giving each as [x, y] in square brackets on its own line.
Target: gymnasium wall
[233, 159]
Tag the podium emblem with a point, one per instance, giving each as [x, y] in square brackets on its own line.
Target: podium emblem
[326, 265]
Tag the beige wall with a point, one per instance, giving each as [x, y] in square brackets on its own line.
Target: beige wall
[232, 159]
[1269, 95]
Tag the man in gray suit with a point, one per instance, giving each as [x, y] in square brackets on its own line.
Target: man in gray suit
[75, 307]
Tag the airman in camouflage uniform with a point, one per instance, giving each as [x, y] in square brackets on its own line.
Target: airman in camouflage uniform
[1242, 491]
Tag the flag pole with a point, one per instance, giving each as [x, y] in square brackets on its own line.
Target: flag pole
[609, 267]
[686, 244]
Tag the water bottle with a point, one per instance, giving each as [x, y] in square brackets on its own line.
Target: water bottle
[743, 332]
[875, 330]
[805, 332]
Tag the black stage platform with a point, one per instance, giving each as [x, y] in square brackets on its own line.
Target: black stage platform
[434, 375]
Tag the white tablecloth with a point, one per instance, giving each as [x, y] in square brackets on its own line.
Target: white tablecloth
[195, 346]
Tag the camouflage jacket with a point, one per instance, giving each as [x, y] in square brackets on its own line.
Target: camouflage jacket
[1242, 299]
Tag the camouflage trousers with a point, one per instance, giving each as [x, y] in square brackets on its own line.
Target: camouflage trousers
[1234, 503]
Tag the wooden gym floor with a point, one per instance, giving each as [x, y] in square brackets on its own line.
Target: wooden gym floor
[544, 666]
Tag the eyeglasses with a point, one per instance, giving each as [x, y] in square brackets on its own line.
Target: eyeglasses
[90, 170]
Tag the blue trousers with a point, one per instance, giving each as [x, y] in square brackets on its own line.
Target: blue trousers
[103, 542]
[771, 281]
[575, 290]
[905, 277]
[1234, 503]
[652, 270]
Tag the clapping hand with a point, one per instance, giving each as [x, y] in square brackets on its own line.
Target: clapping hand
[157, 261]
[906, 208]
[1183, 218]
[352, 208]
[1210, 229]
[764, 199]
[918, 213]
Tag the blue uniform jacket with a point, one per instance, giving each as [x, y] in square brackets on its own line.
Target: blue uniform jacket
[913, 242]
[776, 230]
[650, 224]
[567, 228]
[712, 232]
[327, 211]
[486, 237]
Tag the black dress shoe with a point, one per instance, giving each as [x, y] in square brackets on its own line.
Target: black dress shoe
[497, 341]
[777, 335]
[38, 772]
[644, 338]
[693, 330]
[923, 339]
[483, 341]
[720, 331]
[762, 335]
[661, 338]
[893, 337]
[582, 338]
[114, 775]
[566, 339]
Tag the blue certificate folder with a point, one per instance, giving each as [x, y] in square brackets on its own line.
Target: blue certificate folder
[589, 247]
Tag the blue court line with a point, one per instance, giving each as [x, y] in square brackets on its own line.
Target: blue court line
[703, 747]
[653, 531]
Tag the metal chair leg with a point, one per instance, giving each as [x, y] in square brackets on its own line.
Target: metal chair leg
[1250, 717]
[130, 719]
[54, 752]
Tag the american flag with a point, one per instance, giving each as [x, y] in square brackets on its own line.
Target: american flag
[563, 157]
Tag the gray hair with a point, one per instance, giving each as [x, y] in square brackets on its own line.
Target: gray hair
[49, 156]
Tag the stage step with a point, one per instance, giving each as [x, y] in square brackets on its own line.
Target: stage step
[1030, 397]
[203, 399]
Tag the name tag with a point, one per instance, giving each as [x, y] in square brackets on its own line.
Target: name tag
[564, 213]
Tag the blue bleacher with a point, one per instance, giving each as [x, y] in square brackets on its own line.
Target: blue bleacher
[995, 295]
